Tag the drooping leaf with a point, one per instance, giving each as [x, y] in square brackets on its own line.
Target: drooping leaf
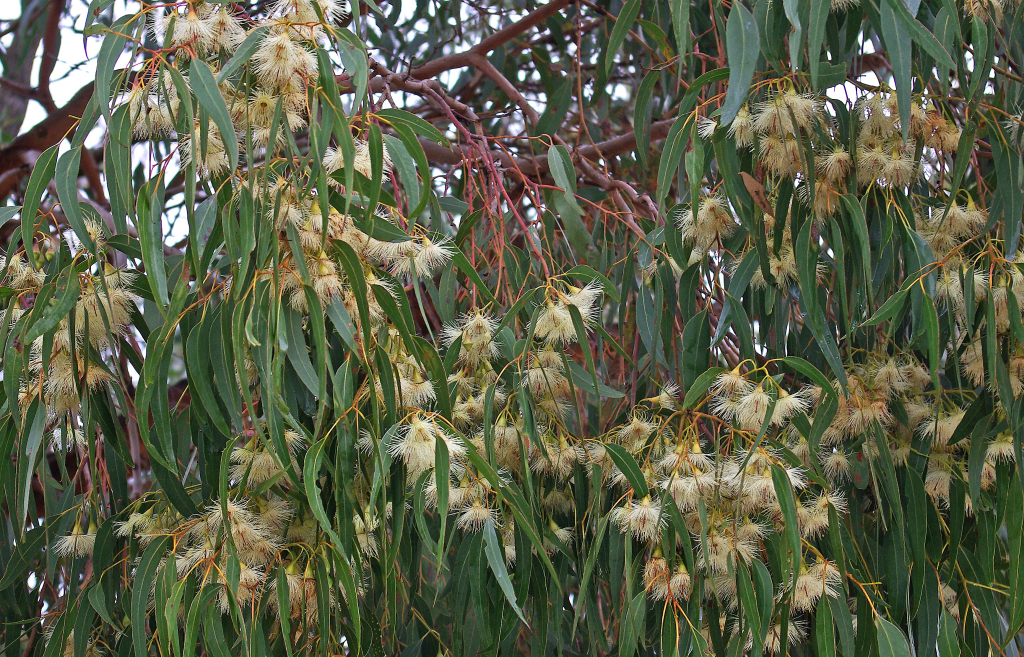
[743, 47]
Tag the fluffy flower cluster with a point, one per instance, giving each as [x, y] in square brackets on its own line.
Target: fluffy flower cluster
[283, 64]
[796, 141]
[713, 223]
[728, 499]
[268, 106]
[258, 524]
[72, 359]
[892, 406]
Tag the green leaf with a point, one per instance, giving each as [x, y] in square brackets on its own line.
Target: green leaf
[585, 381]
[442, 474]
[466, 226]
[787, 500]
[581, 332]
[648, 320]
[354, 58]
[700, 387]
[142, 584]
[927, 611]
[342, 322]
[297, 351]
[815, 36]
[66, 182]
[42, 173]
[749, 606]
[110, 51]
[889, 309]
[742, 45]
[891, 640]
[243, 54]
[8, 213]
[681, 24]
[806, 257]
[418, 125]
[811, 372]
[625, 20]
[920, 33]
[192, 621]
[947, 27]
[170, 483]
[642, 112]
[625, 462]
[1015, 549]
[633, 624]
[949, 645]
[671, 154]
[860, 231]
[495, 552]
[150, 228]
[897, 45]
[310, 477]
[844, 623]
[469, 271]
[407, 154]
[965, 147]
[796, 38]
[931, 324]
[737, 287]
[690, 99]
[825, 632]
[588, 569]
[571, 213]
[696, 343]
[208, 94]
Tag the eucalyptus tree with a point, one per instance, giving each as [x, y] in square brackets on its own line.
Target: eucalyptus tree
[564, 328]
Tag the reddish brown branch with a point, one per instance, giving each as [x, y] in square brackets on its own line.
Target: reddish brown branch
[19, 88]
[487, 68]
[475, 57]
[499, 38]
[49, 58]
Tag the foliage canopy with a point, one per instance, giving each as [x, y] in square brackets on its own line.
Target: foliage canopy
[566, 328]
